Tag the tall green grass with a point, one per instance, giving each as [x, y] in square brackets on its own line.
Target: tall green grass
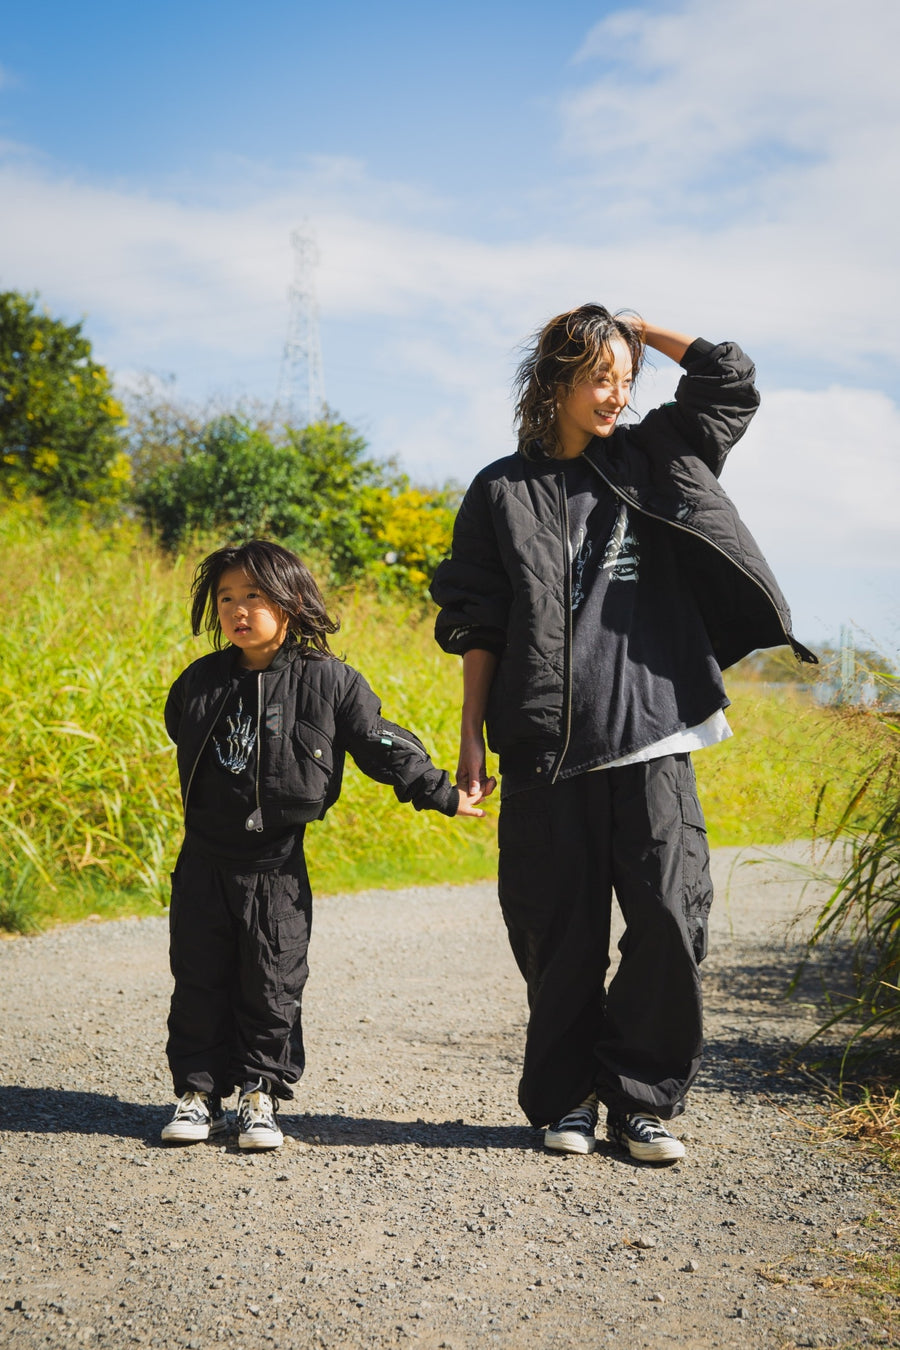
[96, 628]
[862, 914]
[90, 819]
[788, 770]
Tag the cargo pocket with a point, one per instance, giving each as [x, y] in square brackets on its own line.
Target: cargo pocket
[290, 926]
[697, 890]
[291, 929]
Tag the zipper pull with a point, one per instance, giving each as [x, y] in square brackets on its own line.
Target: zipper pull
[254, 821]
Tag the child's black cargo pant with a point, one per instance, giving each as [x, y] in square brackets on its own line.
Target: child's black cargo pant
[638, 830]
[238, 945]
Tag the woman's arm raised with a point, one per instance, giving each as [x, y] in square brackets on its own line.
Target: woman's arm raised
[665, 340]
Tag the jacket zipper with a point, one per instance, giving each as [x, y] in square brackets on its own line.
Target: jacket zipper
[254, 820]
[210, 729]
[567, 676]
[695, 534]
[401, 740]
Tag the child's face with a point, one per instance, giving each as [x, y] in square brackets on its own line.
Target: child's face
[593, 406]
[249, 619]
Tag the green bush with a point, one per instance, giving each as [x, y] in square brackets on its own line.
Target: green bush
[313, 488]
[60, 427]
[228, 477]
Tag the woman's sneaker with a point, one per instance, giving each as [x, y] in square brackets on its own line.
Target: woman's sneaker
[574, 1132]
[199, 1115]
[256, 1118]
[645, 1137]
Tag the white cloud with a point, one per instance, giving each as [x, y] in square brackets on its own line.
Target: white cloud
[755, 152]
[692, 94]
[736, 178]
[817, 477]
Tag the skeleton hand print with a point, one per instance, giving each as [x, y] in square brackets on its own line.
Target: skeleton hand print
[234, 753]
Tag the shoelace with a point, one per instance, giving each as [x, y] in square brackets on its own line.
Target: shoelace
[255, 1112]
[192, 1103]
[583, 1115]
[647, 1125]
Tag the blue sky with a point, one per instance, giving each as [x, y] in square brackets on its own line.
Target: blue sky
[468, 171]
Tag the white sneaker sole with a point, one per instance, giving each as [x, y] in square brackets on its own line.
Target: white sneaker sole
[569, 1141]
[661, 1150]
[261, 1139]
[182, 1132]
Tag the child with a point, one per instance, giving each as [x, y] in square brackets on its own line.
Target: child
[600, 581]
[262, 728]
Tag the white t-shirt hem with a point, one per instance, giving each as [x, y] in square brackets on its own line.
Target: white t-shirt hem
[710, 732]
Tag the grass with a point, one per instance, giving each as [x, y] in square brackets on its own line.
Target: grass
[787, 771]
[865, 1282]
[89, 806]
[861, 917]
[873, 1121]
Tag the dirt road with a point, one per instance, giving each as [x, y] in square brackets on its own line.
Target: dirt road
[410, 1205]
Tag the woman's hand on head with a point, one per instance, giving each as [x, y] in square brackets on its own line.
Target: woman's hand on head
[666, 340]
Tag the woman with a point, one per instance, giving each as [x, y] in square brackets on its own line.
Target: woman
[599, 582]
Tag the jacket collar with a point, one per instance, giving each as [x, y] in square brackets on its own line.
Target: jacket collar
[287, 653]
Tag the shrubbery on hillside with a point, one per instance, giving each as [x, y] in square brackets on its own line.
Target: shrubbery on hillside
[313, 488]
[221, 476]
[60, 427]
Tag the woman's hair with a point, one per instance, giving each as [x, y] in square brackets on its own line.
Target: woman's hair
[281, 577]
[570, 348]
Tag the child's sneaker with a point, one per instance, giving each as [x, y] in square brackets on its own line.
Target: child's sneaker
[199, 1115]
[256, 1118]
[645, 1137]
[574, 1132]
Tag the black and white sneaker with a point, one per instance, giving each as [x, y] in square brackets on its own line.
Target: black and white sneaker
[256, 1118]
[574, 1132]
[199, 1115]
[645, 1137]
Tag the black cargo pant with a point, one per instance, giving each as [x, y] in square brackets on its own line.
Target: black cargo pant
[238, 945]
[638, 830]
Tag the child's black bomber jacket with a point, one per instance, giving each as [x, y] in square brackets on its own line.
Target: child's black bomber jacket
[311, 711]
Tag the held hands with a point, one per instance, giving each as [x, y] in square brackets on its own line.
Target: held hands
[467, 803]
[472, 781]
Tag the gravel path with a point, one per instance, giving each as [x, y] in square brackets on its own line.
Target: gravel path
[410, 1205]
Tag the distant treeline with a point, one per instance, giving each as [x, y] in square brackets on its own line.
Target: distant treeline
[223, 473]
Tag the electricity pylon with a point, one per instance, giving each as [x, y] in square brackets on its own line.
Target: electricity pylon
[301, 385]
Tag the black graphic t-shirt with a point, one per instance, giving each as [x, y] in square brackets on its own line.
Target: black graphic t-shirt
[642, 664]
[223, 790]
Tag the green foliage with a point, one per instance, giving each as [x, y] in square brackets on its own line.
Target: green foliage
[314, 488]
[762, 785]
[227, 477]
[412, 530]
[863, 910]
[60, 427]
[339, 486]
[90, 819]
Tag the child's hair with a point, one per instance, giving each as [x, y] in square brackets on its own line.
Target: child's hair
[570, 348]
[281, 577]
